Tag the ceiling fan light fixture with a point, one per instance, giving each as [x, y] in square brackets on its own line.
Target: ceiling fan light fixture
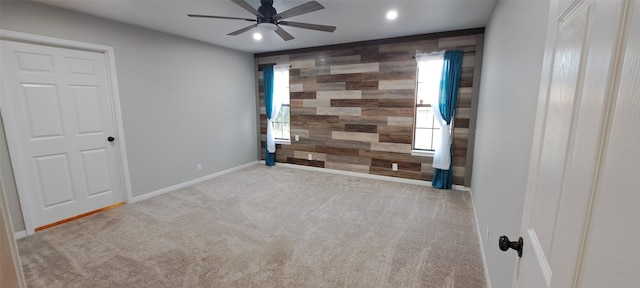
[257, 36]
[264, 26]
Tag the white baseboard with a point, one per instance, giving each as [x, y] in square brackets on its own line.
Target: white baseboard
[19, 235]
[365, 175]
[190, 182]
[484, 259]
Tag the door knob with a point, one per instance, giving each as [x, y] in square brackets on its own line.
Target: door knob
[111, 139]
[505, 244]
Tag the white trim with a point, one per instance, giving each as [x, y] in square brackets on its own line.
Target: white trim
[13, 246]
[190, 182]
[108, 53]
[479, 232]
[50, 41]
[543, 263]
[20, 234]
[422, 153]
[364, 175]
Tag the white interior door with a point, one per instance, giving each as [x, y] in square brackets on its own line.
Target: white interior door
[57, 110]
[568, 141]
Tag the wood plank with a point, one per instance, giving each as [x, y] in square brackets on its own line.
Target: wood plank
[461, 122]
[338, 60]
[323, 70]
[368, 153]
[304, 162]
[316, 102]
[315, 118]
[303, 63]
[391, 147]
[304, 154]
[339, 78]
[296, 88]
[347, 144]
[339, 111]
[402, 165]
[395, 129]
[302, 95]
[392, 94]
[349, 159]
[347, 167]
[406, 65]
[361, 128]
[364, 120]
[337, 150]
[409, 75]
[400, 173]
[273, 59]
[355, 68]
[329, 86]
[300, 132]
[400, 121]
[302, 111]
[396, 138]
[354, 103]
[362, 85]
[397, 84]
[295, 146]
[354, 136]
[351, 94]
[408, 46]
[392, 112]
[296, 103]
[453, 42]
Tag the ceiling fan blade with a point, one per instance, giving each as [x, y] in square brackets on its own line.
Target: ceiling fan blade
[220, 17]
[247, 7]
[284, 34]
[245, 29]
[324, 28]
[299, 10]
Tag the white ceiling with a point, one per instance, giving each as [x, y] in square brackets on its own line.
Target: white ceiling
[357, 20]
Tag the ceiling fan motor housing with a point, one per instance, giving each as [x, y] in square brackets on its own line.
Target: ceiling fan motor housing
[267, 10]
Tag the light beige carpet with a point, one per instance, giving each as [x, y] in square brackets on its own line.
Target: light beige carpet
[267, 227]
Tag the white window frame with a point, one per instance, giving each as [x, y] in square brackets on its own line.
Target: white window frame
[281, 90]
[424, 101]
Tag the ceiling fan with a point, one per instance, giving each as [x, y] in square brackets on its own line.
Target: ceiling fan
[268, 19]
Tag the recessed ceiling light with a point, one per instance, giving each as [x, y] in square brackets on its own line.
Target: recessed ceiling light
[257, 36]
[391, 15]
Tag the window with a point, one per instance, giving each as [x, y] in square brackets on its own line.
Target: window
[427, 135]
[281, 122]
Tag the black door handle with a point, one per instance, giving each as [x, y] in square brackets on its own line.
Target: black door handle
[111, 139]
[505, 244]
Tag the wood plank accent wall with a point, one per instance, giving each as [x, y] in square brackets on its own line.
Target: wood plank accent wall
[353, 105]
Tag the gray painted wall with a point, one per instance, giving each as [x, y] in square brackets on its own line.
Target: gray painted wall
[512, 65]
[183, 102]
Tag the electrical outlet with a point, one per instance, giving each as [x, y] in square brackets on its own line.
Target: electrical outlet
[394, 166]
[297, 137]
[310, 156]
[486, 237]
[199, 167]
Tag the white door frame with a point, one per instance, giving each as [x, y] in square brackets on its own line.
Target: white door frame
[113, 89]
